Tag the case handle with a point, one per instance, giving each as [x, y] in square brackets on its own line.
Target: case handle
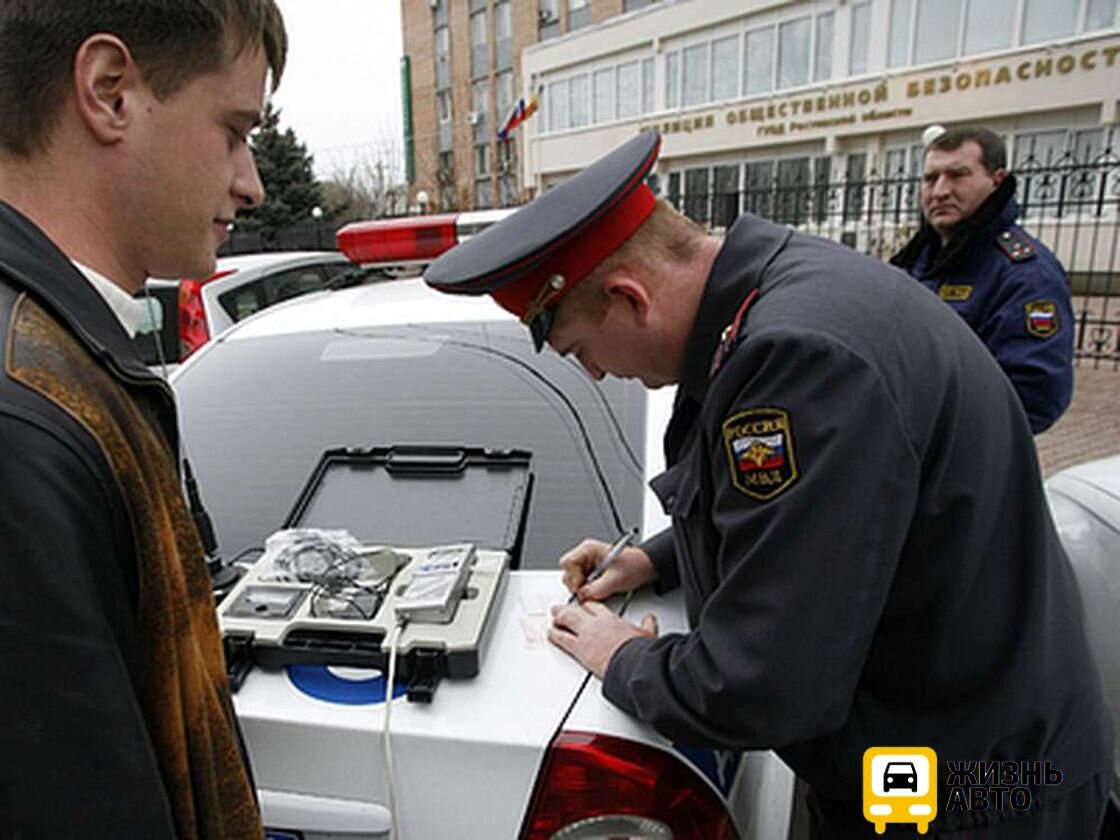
[426, 460]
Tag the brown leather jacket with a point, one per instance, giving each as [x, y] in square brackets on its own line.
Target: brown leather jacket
[118, 719]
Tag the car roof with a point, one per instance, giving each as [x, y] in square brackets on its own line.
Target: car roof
[390, 303]
[263, 261]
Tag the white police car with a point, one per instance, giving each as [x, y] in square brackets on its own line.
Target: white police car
[528, 747]
[1085, 503]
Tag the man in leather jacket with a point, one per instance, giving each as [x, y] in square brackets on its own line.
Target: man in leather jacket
[858, 522]
[1005, 283]
[123, 155]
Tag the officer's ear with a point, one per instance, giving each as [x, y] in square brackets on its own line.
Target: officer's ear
[623, 287]
[998, 176]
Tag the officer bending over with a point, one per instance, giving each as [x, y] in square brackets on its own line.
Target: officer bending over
[858, 523]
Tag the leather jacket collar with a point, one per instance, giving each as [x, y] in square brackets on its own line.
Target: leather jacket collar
[30, 262]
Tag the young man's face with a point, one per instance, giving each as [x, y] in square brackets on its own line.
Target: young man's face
[190, 168]
[955, 184]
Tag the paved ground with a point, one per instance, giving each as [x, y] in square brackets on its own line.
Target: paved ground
[1090, 428]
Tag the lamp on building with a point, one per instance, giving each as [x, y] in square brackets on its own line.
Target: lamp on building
[422, 201]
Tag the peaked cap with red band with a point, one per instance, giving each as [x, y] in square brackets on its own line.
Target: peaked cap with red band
[529, 261]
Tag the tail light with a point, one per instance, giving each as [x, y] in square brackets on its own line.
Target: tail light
[601, 786]
[398, 240]
[193, 329]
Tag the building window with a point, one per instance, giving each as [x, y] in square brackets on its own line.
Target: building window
[725, 202]
[672, 79]
[503, 84]
[439, 13]
[922, 31]
[577, 101]
[936, 25]
[898, 39]
[443, 105]
[674, 194]
[557, 106]
[480, 44]
[647, 85]
[548, 19]
[859, 44]
[794, 191]
[632, 5]
[443, 58]
[822, 54]
[480, 110]
[604, 82]
[725, 68]
[759, 188]
[483, 195]
[696, 204]
[1044, 20]
[503, 35]
[628, 78]
[695, 74]
[1101, 14]
[482, 160]
[579, 14]
[793, 52]
[855, 181]
[987, 26]
[759, 65]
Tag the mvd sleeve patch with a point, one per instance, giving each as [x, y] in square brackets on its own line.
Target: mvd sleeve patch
[1042, 318]
[759, 445]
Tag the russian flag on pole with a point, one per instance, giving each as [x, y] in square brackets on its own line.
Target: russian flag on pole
[518, 114]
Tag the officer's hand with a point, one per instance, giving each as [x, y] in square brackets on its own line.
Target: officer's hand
[591, 633]
[631, 569]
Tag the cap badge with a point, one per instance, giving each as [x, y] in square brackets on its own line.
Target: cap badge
[544, 296]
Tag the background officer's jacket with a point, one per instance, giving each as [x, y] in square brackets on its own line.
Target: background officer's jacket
[861, 535]
[1014, 294]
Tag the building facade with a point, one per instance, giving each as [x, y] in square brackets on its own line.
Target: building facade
[773, 106]
[462, 78]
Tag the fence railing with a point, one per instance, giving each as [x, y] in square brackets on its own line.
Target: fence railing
[1069, 202]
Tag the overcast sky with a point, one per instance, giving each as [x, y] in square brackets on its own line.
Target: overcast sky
[341, 90]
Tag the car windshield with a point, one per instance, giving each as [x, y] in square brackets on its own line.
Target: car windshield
[257, 414]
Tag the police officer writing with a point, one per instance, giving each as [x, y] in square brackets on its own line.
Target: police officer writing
[858, 525]
[123, 155]
[1005, 283]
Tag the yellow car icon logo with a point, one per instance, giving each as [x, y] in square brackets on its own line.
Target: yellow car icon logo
[900, 786]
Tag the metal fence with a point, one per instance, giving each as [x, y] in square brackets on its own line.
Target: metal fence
[1070, 200]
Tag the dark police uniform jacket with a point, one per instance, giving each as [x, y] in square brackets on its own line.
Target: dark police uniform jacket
[116, 710]
[1014, 294]
[861, 535]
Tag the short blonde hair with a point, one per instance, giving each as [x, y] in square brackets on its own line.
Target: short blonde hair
[665, 237]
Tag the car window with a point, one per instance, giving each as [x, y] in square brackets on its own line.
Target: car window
[166, 300]
[251, 298]
[257, 414]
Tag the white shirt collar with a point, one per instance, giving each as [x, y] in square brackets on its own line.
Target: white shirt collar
[132, 313]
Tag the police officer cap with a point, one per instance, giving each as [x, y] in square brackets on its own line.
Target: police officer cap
[530, 260]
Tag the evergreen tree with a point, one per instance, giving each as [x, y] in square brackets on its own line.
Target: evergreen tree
[291, 190]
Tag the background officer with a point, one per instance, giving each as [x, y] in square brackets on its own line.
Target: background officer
[1006, 284]
[859, 527]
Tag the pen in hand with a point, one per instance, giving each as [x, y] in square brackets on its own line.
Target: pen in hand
[608, 559]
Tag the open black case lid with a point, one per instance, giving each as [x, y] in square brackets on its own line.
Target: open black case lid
[421, 495]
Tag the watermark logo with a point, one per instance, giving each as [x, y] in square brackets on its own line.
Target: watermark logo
[900, 786]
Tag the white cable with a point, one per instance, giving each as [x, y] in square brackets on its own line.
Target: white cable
[386, 738]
